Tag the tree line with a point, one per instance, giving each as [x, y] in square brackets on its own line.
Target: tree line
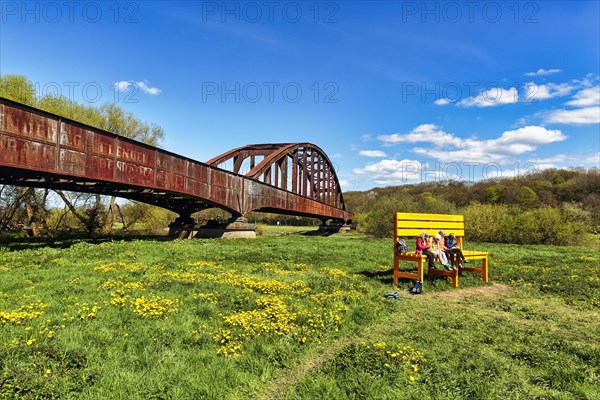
[552, 206]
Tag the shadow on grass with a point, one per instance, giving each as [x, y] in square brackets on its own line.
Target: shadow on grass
[317, 232]
[16, 243]
[386, 277]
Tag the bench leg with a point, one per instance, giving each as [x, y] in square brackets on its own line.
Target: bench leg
[396, 269]
[484, 269]
[420, 271]
[454, 278]
[429, 274]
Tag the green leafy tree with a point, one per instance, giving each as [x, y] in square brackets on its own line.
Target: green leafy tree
[18, 88]
[527, 198]
[492, 194]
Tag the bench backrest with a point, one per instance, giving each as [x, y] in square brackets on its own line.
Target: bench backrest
[412, 224]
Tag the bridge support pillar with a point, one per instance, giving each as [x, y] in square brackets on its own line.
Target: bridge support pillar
[236, 227]
[178, 228]
[334, 227]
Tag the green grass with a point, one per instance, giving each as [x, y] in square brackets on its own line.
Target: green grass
[292, 317]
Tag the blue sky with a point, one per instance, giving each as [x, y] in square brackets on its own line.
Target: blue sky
[394, 92]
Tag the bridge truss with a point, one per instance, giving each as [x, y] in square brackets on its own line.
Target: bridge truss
[39, 149]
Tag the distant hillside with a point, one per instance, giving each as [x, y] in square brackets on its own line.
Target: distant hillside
[567, 200]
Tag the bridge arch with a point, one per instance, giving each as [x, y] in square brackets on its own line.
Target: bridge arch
[300, 168]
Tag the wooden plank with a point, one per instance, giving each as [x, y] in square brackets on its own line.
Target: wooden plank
[429, 217]
[439, 225]
[475, 253]
[416, 232]
[476, 270]
[408, 275]
[443, 272]
[410, 257]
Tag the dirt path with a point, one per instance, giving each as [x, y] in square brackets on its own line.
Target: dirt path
[311, 363]
[497, 289]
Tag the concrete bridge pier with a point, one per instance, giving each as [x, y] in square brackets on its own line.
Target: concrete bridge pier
[235, 227]
[334, 227]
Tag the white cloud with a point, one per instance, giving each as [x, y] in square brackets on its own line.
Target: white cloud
[534, 135]
[123, 86]
[571, 159]
[344, 184]
[492, 97]
[447, 147]
[579, 116]
[147, 89]
[422, 133]
[552, 159]
[389, 172]
[586, 97]
[548, 91]
[443, 102]
[372, 153]
[541, 166]
[543, 72]
[592, 158]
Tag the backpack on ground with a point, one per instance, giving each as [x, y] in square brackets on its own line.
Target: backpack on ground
[418, 288]
[392, 295]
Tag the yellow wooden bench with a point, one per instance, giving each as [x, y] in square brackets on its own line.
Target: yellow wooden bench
[410, 226]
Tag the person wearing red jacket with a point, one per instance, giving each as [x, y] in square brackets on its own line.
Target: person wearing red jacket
[423, 248]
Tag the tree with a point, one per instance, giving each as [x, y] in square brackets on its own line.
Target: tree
[18, 88]
[11, 203]
[527, 198]
[116, 120]
[492, 194]
[60, 105]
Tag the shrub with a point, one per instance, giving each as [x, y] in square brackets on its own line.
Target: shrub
[487, 222]
[547, 226]
[379, 221]
[503, 224]
[527, 198]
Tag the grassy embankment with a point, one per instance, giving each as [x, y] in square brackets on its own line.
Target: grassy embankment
[292, 317]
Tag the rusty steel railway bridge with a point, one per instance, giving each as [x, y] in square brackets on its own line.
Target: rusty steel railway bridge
[39, 149]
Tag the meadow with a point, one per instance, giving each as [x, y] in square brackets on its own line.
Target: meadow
[292, 316]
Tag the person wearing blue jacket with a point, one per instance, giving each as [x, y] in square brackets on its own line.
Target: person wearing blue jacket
[453, 250]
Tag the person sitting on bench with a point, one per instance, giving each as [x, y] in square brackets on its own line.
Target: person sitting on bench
[440, 250]
[423, 248]
[454, 250]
